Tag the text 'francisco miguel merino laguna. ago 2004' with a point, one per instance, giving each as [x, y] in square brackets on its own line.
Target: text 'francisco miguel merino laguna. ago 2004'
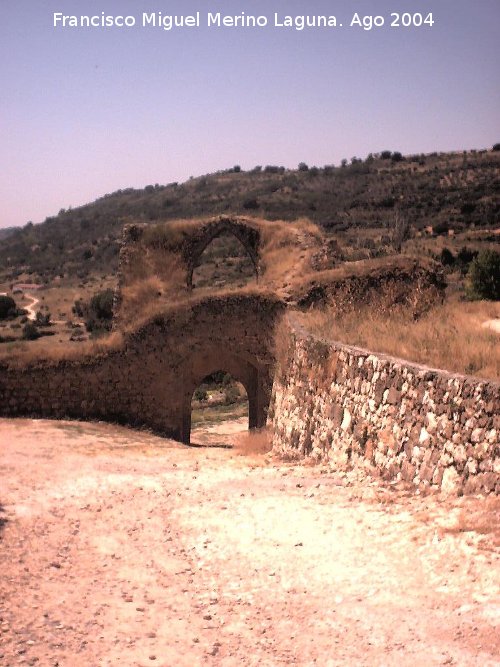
[170, 22]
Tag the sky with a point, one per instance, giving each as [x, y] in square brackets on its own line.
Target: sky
[87, 111]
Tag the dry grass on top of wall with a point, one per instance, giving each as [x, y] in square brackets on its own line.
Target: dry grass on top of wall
[23, 353]
[286, 250]
[449, 336]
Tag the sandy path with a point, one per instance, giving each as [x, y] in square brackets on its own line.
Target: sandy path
[120, 548]
[31, 307]
[493, 325]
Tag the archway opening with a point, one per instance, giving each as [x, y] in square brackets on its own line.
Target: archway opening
[224, 263]
[219, 410]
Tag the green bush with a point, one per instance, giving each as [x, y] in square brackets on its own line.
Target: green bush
[484, 276]
[42, 319]
[30, 331]
[464, 258]
[7, 307]
[447, 258]
[200, 394]
[232, 395]
[101, 304]
[98, 312]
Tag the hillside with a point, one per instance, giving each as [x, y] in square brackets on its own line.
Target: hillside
[7, 231]
[459, 190]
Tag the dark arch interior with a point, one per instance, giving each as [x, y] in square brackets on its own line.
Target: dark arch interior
[219, 407]
[225, 262]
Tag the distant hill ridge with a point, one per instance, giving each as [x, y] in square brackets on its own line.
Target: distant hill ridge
[459, 190]
[7, 231]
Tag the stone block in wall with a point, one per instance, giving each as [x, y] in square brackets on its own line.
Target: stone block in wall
[426, 473]
[392, 396]
[335, 414]
[450, 481]
[438, 476]
[408, 471]
[369, 449]
[460, 454]
[346, 424]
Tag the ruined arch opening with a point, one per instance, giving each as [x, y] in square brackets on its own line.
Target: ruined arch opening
[248, 371]
[224, 262]
[219, 409]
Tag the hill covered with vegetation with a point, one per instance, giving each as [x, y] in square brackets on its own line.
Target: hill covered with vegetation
[7, 231]
[456, 191]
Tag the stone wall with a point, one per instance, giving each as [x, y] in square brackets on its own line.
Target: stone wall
[400, 420]
[150, 379]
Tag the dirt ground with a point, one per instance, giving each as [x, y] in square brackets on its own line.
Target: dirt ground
[121, 548]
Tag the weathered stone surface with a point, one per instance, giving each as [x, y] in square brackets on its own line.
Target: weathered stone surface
[411, 439]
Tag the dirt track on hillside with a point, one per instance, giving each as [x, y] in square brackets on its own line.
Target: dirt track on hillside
[120, 548]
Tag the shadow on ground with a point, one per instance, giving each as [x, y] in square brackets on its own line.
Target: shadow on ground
[3, 519]
[210, 445]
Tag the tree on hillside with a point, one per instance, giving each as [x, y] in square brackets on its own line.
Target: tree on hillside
[464, 258]
[447, 258]
[98, 312]
[30, 331]
[7, 306]
[399, 230]
[484, 275]
[42, 319]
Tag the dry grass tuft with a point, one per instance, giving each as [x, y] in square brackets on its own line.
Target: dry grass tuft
[256, 441]
[449, 336]
[484, 519]
[169, 236]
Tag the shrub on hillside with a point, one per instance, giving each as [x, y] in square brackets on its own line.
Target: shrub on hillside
[464, 258]
[98, 312]
[231, 395]
[102, 304]
[42, 319]
[484, 276]
[250, 204]
[30, 331]
[200, 394]
[441, 228]
[7, 307]
[447, 258]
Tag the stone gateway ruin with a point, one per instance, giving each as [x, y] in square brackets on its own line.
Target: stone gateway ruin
[150, 379]
[331, 401]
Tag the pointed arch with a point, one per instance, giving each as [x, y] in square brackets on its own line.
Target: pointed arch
[245, 234]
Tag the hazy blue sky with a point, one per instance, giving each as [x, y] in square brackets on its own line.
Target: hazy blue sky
[84, 112]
